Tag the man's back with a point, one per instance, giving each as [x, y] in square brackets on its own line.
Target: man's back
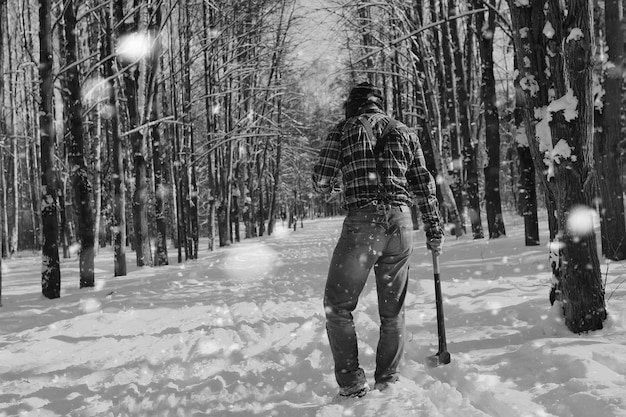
[349, 149]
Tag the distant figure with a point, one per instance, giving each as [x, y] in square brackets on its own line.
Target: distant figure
[377, 231]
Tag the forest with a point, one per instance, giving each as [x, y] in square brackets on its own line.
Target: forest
[146, 125]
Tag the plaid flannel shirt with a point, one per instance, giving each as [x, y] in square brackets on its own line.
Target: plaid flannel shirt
[349, 152]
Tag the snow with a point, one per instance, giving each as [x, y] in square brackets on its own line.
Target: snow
[548, 30]
[524, 31]
[520, 137]
[562, 150]
[529, 83]
[568, 104]
[575, 35]
[240, 332]
[581, 221]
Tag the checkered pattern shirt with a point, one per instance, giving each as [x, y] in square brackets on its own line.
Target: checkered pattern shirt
[348, 152]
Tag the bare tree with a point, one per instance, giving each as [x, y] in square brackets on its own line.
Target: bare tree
[81, 183]
[129, 27]
[468, 142]
[527, 185]
[158, 156]
[2, 12]
[118, 221]
[608, 119]
[209, 81]
[493, 204]
[51, 272]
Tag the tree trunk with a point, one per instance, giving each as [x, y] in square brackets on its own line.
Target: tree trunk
[4, 242]
[160, 185]
[451, 100]
[579, 283]
[207, 18]
[527, 185]
[191, 189]
[81, 184]
[15, 179]
[32, 149]
[274, 193]
[118, 221]
[193, 201]
[65, 227]
[607, 137]
[223, 209]
[470, 149]
[13, 228]
[51, 272]
[492, 126]
[141, 193]
[3, 10]
[176, 161]
[98, 238]
[260, 168]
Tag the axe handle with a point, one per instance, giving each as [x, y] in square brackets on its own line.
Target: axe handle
[435, 262]
[441, 328]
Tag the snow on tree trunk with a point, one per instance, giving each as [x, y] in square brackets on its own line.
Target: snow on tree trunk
[558, 113]
[581, 281]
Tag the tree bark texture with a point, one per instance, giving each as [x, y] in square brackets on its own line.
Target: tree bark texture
[51, 272]
[581, 281]
[118, 220]
[81, 183]
[158, 159]
[492, 127]
[467, 142]
[569, 64]
[2, 12]
[527, 173]
[608, 134]
[191, 197]
[210, 125]
[131, 88]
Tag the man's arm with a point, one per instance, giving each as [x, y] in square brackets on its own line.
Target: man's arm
[423, 185]
[327, 167]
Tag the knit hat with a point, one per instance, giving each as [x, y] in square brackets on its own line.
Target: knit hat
[362, 94]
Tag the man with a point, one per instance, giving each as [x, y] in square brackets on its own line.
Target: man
[377, 232]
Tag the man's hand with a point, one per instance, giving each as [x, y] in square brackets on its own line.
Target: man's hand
[434, 237]
[435, 244]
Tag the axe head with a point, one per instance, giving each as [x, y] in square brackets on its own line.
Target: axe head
[441, 358]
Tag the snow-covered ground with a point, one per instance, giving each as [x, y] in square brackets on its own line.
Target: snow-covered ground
[240, 332]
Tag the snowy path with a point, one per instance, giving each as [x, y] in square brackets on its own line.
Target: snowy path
[240, 332]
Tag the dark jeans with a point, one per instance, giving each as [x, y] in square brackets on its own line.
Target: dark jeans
[382, 240]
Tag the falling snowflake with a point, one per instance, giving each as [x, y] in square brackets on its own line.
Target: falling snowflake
[580, 221]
